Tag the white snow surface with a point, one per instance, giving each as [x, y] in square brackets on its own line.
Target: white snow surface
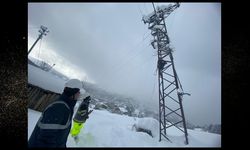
[123, 109]
[163, 7]
[149, 124]
[104, 129]
[45, 80]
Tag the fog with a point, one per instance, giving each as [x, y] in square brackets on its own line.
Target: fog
[109, 45]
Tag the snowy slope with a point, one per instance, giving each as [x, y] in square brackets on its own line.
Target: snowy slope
[104, 129]
[44, 79]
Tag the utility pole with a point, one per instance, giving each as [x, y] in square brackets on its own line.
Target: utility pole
[171, 111]
[43, 31]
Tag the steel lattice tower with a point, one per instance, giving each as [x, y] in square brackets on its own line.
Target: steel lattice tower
[170, 90]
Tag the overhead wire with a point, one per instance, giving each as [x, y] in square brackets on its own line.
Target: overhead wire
[135, 53]
[39, 50]
[129, 59]
[120, 66]
[147, 33]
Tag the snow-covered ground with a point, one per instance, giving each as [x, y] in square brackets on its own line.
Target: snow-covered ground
[45, 80]
[104, 129]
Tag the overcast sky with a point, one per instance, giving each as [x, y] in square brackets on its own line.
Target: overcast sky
[109, 45]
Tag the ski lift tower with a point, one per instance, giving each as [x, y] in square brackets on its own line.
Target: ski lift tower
[170, 90]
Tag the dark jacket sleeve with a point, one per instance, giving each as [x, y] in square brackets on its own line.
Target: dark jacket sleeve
[57, 115]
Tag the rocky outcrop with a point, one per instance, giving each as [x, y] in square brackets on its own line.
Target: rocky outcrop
[100, 106]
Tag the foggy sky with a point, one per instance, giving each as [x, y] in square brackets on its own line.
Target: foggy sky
[109, 45]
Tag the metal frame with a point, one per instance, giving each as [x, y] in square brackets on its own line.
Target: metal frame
[43, 31]
[165, 61]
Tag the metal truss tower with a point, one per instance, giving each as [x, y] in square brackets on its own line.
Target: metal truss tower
[171, 111]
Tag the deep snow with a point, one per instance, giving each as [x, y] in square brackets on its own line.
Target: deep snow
[104, 129]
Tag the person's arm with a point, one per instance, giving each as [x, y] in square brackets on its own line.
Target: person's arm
[82, 112]
[80, 117]
[53, 124]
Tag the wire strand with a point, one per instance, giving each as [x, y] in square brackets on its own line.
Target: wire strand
[38, 56]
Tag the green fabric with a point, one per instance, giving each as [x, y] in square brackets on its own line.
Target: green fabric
[75, 130]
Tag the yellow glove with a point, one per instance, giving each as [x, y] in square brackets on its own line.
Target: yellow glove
[75, 130]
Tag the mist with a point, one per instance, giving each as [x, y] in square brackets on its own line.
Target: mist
[108, 44]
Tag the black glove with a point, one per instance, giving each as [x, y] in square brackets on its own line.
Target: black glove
[87, 116]
[87, 100]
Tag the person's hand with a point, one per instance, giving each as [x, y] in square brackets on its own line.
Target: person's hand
[87, 99]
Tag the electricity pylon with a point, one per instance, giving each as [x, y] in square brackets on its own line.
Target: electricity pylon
[171, 111]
